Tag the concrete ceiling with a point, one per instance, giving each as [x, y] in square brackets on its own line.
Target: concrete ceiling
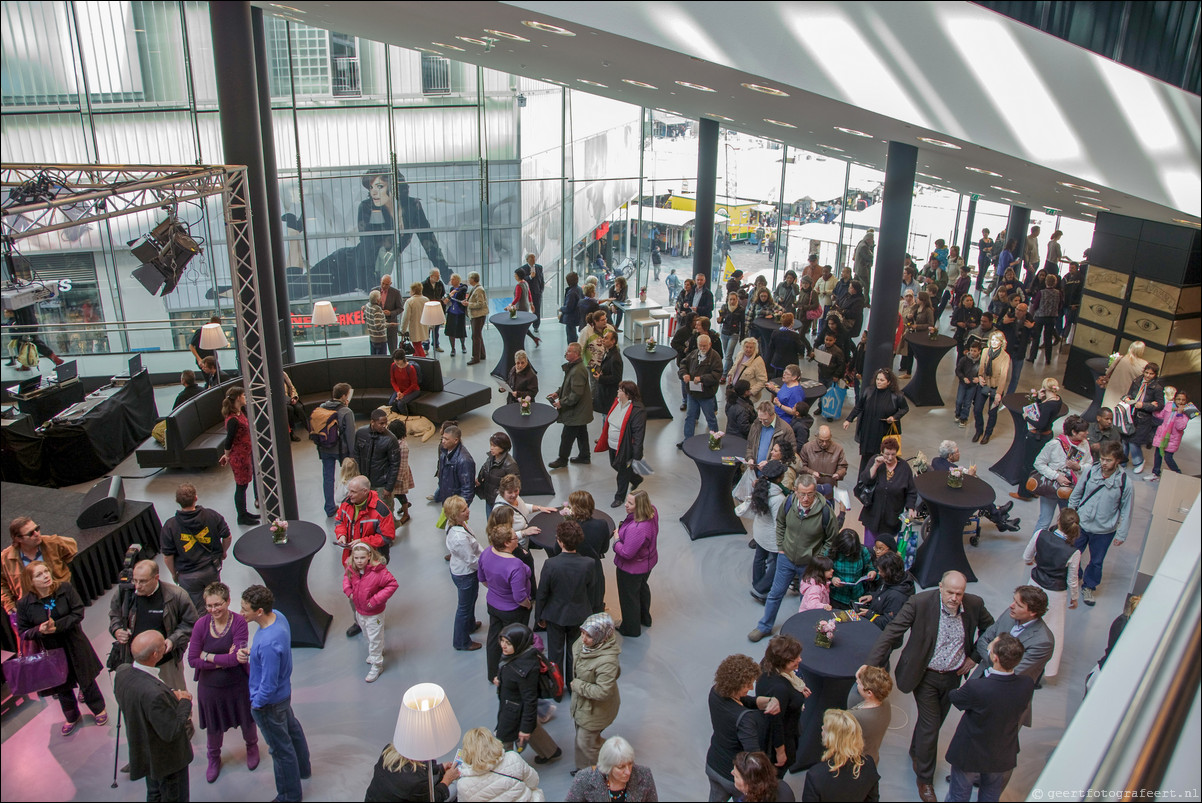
[1077, 119]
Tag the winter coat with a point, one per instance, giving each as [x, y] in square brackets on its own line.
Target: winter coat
[492, 471]
[889, 497]
[378, 456]
[525, 383]
[179, 617]
[781, 432]
[346, 431]
[570, 311]
[754, 371]
[605, 385]
[595, 698]
[411, 319]
[1172, 426]
[885, 603]
[57, 552]
[83, 665]
[575, 400]
[872, 408]
[456, 474]
[739, 414]
[372, 524]
[763, 527]
[706, 369]
[1146, 418]
[512, 779]
[591, 784]
[630, 439]
[802, 538]
[814, 596]
[374, 322]
[370, 591]
[635, 550]
[518, 695]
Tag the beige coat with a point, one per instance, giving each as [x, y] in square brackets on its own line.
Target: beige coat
[477, 302]
[411, 319]
[754, 372]
[595, 698]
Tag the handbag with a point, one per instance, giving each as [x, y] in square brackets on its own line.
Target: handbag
[407, 344]
[1040, 485]
[864, 491]
[894, 431]
[1124, 418]
[813, 314]
[831, 405]
[34, 669]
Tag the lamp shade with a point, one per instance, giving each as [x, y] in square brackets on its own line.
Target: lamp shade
[426, 727]
[432, 314]
[323, 314]
[212, 337]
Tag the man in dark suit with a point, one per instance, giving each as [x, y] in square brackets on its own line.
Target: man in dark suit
[391, 301]
[703, 298]
[538, 282]
[984, 750]
[158, 721]
[943, 624]
[1024, 621]
[565, 595]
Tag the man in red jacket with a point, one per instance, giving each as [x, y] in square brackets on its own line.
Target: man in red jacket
[363, 517]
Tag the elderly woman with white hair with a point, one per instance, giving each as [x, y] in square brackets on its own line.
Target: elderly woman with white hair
[949, 458]
[615, 777]
[376, 324]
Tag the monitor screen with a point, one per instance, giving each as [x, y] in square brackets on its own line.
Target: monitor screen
[67, 371]
[135, 365]
[28, 386]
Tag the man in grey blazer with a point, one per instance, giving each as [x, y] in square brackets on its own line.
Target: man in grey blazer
[1024, 621]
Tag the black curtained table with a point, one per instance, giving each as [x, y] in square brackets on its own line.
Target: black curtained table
[829, 672]
[513, 337]
[648, 372]
[101, 549]
[950, 509]
[49, 400]
[713, 511]
[1097, 368]
[285, 571]
[1013, 466]
[548, 522]
[526, 434]
[923, 387]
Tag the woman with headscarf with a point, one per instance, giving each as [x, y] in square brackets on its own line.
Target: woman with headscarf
[517, 691]
[595, 698]
[879, 407]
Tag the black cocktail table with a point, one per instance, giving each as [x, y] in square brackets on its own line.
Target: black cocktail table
[830, 672]
[713, 511]
[513, 337]
[949, 509]
[548, 522]
[1097, 368]
[526, 433]
[814, 389]
[1013, 466]
[923, 387]
[285, 571]
[648, 372]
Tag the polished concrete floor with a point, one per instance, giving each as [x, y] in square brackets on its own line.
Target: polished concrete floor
[700, 603]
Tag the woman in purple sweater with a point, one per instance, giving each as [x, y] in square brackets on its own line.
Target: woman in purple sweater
[635, 556]
[508, 581]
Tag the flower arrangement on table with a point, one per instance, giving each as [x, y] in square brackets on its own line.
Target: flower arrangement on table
[920, 463]
[525, 405]
[643, 294]
[716, 440]
[955, 478]
[513, 312]
[651, 344]
[279, 531]
[824, 633]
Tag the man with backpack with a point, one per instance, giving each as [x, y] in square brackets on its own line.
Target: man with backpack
[1104, 500]
[805, 526]
[332, 428]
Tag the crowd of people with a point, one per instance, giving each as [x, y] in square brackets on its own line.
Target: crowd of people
[552, 625]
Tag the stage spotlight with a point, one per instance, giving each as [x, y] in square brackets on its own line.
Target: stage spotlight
[164, 253]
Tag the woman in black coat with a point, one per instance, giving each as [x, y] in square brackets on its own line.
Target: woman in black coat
[893, 588]
[891, 481]
[780, 680]
[622, 433]
[785, 346]
[570, 314]
[878, 407]
[1146, 396]
[399, 778]
[609, 374]
[50, 615]
[517, 691]
[522, 380]
[498, 464]
[851, 307]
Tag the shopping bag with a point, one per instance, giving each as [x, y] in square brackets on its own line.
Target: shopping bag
[33, 669]
[832, 401]
[642, 468]
[894, 431]
[745, 486]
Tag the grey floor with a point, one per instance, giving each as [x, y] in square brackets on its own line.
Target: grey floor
[700, 605]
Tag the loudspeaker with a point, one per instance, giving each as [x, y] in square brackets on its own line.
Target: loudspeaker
[102, 505]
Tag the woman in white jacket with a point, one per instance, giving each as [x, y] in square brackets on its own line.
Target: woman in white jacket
[411, 316]
[767, 496]
[490, 772]
[1063, 459]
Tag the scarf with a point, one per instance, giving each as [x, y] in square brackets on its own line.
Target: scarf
[991, 355]
[600, 628]
[795, 681]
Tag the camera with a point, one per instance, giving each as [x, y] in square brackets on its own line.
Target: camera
[126, 578]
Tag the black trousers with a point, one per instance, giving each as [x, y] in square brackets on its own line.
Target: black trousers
[91, 695]
[627, 478]
[173, 787]
[634, 600]
[297, 420]
[536, 306]
[578, 433]
[497, 619]
[931, 697]
[560, 639]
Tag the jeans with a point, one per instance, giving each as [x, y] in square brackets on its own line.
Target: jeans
[1047, 510]
[400, 404]
[991, 783]
[985, 397]
[786, 572]
[1098, 544]
[1134, 451]
[572, 331]
[1169, 460]
[289, 748]
[434, 336]
[763, 570]
[465, 613]
[695, 406]
[329, 467]
[378, 348]
[1016, 372]
[729, 344]
[931, 698]
[965, 396]
[634, 600]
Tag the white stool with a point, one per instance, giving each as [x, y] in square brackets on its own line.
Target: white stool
[641, 326]
[660, 316]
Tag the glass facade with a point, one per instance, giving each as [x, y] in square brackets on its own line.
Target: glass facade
[397, 161]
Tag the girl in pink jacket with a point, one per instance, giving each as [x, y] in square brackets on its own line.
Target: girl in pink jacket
[816, 585]
[1173, 420]
[368, 584]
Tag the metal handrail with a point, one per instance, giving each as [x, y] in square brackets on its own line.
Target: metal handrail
[121, 324]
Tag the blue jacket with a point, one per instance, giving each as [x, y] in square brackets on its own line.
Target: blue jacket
[456, 474]
[571, 305]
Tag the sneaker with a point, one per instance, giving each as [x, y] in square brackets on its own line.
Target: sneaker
[963, 423]
[1139, 469]
[1153, 478]
[760, 598]
[373, 673]
[353, 630]
[756, 635]
[1087, 596]
[543, 719]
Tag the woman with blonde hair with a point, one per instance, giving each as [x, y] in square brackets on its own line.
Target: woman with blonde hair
[456, 327]
[490, 772]
[635, 555]
[399, 778]
[465, 550]
[1122, 373]
[845, 773]
[1056, 564]
[749, 366]
[1039, 431]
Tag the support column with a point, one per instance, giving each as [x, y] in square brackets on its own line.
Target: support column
[273, 223]
[707, 188]
[242, 144]
[896, 198]
[1016, 229]
[967, 246]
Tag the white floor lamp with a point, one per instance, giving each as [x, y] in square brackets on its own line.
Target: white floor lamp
[212, 338]
[433, 315]
[324, 316]
[426, 727]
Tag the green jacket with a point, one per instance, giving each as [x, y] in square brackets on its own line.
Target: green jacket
[595, 698]
[800, 539]
[575, 397]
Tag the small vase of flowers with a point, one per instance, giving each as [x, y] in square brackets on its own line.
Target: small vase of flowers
[513, 312]
[955, 478]
[716, 440]
[525, 406]
[824, 633]
[651, 344]
[279, 532]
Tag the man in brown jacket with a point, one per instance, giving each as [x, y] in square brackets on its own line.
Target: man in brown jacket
[825, 459]
[28, 545]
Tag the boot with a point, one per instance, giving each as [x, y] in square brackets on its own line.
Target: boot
[1004, 509]
[214, 765]
[1011, 525]
[57, 360]
[252, 756]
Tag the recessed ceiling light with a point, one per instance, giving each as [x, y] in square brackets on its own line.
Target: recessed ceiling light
[939, 143]
[546, 28]
[639, 84]
[449, 47]
[505, 35]
[698, 87]
[669, 111]
[1094, 206]
[767, 90]
[830, 147]
[553, 81]
[1076, 186]
[932, 178]
[779, 123]
[982, 171]
[1193, 223]
[472, 41]
[1087, 214]
[593, 83]
[1004, 189]
[853, 132]
[721, 117]
[428, 50]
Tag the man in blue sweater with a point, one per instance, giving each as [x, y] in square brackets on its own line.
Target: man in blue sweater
[270, 660]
